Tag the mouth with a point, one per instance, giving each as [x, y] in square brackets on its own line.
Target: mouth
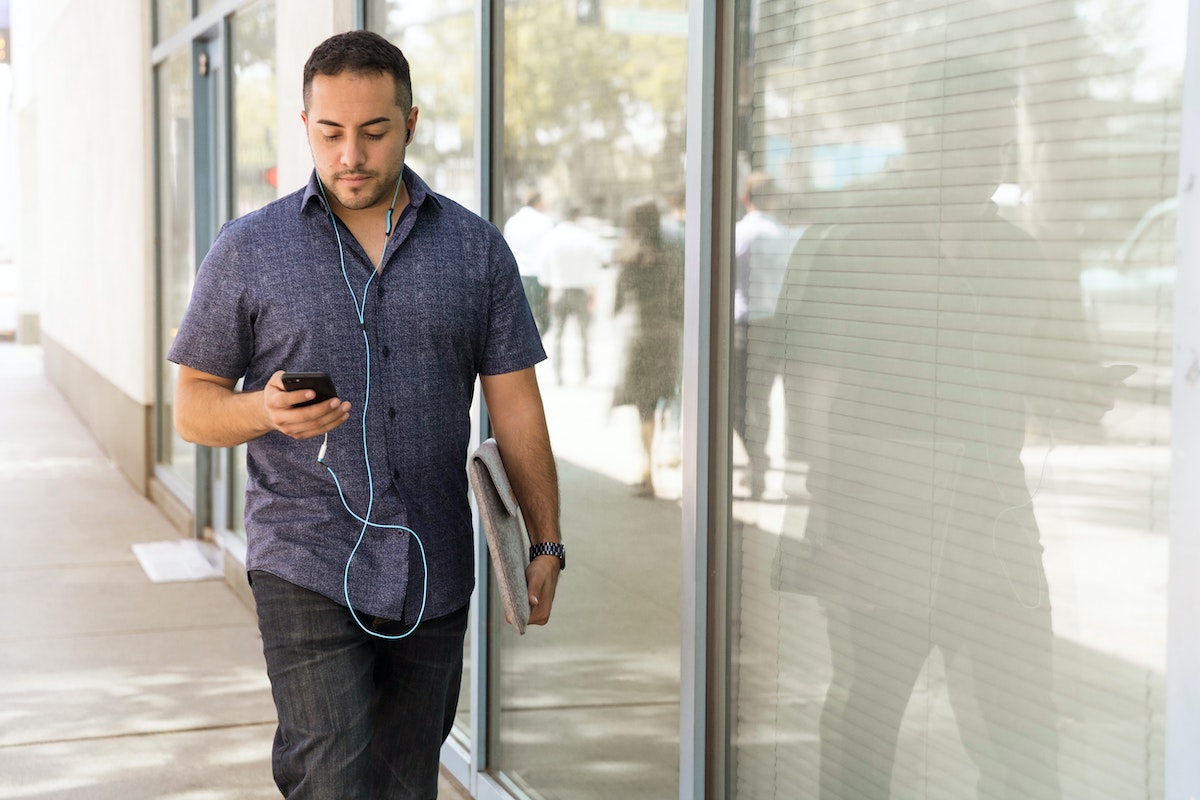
[354, 179]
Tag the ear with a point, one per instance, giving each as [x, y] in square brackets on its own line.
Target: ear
[411, 124]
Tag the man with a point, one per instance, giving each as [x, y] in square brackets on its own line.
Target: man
[525, 233]
[760, 247]
[572, 258]
[360, 552]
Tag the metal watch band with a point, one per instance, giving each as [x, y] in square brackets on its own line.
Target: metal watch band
[549, 549]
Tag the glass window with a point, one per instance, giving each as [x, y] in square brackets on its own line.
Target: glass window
[254, 154]
[255, 107]
[594, 102]
[170, 16]
[177, 243]
[950, 383]
[443, 149]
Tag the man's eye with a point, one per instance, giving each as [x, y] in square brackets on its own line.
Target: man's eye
[373, 136]
[331, 137]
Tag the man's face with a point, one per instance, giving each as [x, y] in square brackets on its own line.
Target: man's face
[358, 136]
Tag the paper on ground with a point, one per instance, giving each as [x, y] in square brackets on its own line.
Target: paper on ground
[180, 560]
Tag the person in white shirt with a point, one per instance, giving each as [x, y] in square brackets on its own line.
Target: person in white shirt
[757, 238]
[572, 258]
[525, 233]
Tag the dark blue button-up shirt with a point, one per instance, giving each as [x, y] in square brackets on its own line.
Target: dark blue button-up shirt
[447, 306]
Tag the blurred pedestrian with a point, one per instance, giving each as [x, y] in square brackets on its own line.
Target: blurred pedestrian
[651, 284]
[571, 262]
[526, 233]
[760, 249]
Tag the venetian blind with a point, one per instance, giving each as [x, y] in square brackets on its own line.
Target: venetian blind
[960, 332]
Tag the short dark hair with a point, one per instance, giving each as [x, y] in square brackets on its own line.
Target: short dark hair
[363, 52]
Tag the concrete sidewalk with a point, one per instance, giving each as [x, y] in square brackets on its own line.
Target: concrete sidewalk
[112, 686]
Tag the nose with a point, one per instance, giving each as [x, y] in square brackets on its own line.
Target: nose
[351, 153]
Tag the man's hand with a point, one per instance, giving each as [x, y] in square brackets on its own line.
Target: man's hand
[278, 406]
[542, 577]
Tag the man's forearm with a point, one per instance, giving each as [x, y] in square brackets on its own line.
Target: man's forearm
[529, 463]
[519, 425]
[207, 413]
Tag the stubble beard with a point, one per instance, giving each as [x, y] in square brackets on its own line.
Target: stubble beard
[376, 192]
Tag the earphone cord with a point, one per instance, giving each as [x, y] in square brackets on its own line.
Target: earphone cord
[359, 309]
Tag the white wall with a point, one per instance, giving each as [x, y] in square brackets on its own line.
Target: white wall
[85, 176]
[8, 209]
[83, 104]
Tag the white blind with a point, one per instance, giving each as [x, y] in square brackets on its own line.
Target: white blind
[949, 555]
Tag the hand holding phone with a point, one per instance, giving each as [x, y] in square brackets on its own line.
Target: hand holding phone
[319, 382]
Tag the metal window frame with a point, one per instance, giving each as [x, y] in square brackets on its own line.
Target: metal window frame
[705, 399]
[1183, 591]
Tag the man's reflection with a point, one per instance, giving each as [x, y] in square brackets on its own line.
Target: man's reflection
[923, 328]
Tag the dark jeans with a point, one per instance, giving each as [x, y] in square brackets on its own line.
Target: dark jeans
[360, 718]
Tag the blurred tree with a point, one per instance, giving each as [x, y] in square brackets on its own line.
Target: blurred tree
[600, 109]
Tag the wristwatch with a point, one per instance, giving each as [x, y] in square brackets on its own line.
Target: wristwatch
[549, 549]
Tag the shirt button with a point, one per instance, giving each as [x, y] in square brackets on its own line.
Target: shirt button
[391, 413]
[395, 474]
[387, 351]
[379, 290]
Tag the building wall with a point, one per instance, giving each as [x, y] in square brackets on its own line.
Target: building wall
[87, 258]
[87, 238]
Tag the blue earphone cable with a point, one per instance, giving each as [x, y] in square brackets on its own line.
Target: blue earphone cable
[360, 311]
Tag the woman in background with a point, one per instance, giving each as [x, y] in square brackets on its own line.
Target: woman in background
[651, 284]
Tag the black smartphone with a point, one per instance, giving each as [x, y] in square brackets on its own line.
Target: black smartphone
[319, 382]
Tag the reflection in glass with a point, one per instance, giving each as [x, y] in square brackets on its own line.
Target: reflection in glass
[255, 106]
[170, 16]
[177, 249]
[588, 707]
[254, 154]
[443, 149]
[950, 422]
[650, 285]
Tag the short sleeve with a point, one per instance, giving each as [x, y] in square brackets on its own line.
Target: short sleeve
[216, 334]
[512, 341]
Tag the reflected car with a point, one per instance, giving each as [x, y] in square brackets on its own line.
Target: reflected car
[1129, 296]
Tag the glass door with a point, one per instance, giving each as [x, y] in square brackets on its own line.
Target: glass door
[593, 171]
[192, 185]
[176, 459]
[253, 182]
